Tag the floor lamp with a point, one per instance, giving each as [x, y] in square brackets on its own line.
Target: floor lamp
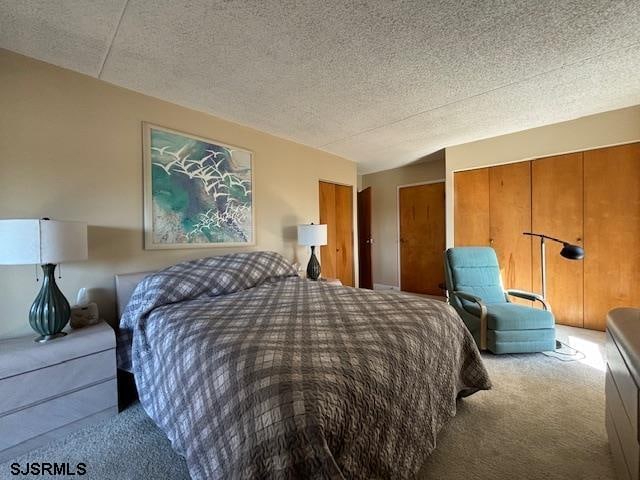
[569, 251]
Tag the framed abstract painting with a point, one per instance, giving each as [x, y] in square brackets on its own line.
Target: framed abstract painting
[197, 192]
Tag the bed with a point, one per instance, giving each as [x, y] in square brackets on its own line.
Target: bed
[253, 372]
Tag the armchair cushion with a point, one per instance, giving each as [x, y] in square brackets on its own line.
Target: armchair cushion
[475, 270]
[512, 316]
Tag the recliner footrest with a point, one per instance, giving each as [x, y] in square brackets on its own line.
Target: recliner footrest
[521, 341]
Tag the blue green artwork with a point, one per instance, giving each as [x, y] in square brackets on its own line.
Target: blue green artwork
[198, 192]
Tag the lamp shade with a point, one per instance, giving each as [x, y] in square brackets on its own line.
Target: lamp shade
[312, 235]
[33, 241]
[572, 252]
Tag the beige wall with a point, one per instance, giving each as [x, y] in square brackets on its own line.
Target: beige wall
[595, 131]
[70, 149]
[384, 200]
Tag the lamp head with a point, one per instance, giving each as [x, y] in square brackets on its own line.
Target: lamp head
[572, 252]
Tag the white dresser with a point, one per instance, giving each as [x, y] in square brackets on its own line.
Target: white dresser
[622, 390]
[48, 390]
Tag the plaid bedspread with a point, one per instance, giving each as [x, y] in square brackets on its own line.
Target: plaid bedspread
[255, 373]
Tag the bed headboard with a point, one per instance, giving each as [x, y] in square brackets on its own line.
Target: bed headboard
[126, 283]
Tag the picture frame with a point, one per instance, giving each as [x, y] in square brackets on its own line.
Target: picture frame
[198, 192]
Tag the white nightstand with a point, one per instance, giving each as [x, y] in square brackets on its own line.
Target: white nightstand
[48, 390]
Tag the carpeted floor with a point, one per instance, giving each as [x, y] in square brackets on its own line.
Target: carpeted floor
[544, 419]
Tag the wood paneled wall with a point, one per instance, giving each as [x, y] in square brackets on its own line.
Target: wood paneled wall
[588, 198]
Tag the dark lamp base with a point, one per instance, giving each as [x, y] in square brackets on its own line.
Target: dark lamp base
[50, 311]
[313, 268]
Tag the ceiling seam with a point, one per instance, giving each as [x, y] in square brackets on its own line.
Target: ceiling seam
[541, 74]
[113, 39]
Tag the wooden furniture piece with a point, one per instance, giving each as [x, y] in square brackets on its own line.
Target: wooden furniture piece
[622, 391]
[422, 237]
[336, 211]
[365, 242]
[49, 390]
[590, 198]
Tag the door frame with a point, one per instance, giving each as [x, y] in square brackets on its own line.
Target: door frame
[398, 187]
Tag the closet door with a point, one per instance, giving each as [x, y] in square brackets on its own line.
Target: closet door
[557, 211]
[510, 215]
[336, 211]
[611, 231]
[471, 207]
[344, 234]
[328, 217]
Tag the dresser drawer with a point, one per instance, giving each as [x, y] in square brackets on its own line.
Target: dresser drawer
[44, 417]
[619, 461]
[626, 432]
[624, 382]
[32, 387]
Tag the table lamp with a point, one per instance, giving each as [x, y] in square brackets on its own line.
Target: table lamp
[312, 236]
[45, 242]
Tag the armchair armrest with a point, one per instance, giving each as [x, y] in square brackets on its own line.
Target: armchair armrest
[483, 315]
[468, 296]
[529, 296]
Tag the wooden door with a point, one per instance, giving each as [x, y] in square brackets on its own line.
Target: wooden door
[557, 211]
[344, 234]
[328, 218]
[336, 211]
[510, 214]
[611, 231]
[422, 238]
[471, 208]
[364, 239]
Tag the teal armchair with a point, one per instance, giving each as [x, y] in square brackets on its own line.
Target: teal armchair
[474, 286]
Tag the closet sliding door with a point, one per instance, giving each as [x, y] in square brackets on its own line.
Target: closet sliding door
[336, 211]
[492, 207]
[612, 231]
[510, 215]
[471, 208]
[557, 211]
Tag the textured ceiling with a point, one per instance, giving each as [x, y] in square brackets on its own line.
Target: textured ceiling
[380, 82]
